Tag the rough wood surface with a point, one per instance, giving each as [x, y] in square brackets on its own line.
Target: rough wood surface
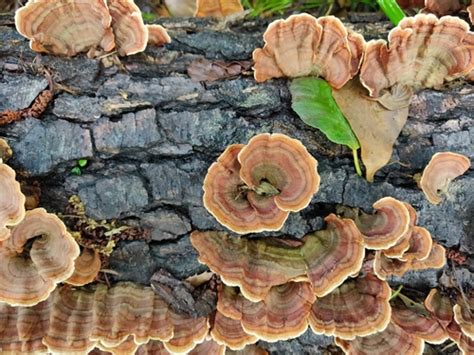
[150, 133]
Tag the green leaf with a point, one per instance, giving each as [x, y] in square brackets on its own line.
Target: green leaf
[76, 171]
[314, 104]
[392, 10]
[82, 162]
[148, 16]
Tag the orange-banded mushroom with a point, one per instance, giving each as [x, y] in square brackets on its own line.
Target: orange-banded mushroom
[325, 257]
[127, 347]
[208, 346]
[417, 322]
[422, 51]
[187, 333]
[357, 308]
[403, 243]
[27, 277]
[440, 307]
[282, 315]
[280, 166]
[66, 27]
[435, 260]
[387, 226]
[392, 340]
[440, 171]
[131, 34]
[226, 199]
[86, 268]
[464, 315]
[385, 266]
[333, 254]
[12, 201]
[217, 8]
[255, 265]
[420, 246]
[157, 35]
[229, 332]
[303, 45]
[22, 329]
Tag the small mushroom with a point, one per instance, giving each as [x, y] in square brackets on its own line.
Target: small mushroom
[357, 308]
[86, 268]
[403, 243]
[131, 34]
[436, 259]
[442, 7]
[392, 340]
[157, 35]
[422, 52]
[303, 45]
[12, 201]
[421, 245]
[276, 165]
[5, 151]
[217, 8]
[66, 27]
[187, 333]
[440, 171]
[464, 315]
[29, 275]
[387, 226]
[229, 332]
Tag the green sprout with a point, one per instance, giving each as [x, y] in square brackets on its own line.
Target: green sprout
[391, 9]
[80, 164]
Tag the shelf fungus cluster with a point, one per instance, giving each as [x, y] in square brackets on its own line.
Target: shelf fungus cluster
[203, 8]
[69, 27]
[440, 171]
[254, 187]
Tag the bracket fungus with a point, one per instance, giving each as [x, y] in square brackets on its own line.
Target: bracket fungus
[29, 275]
[282, 315]
[217, 8]
[5, 151]
[392, 340]
[359, 307]
[187, 333]
[440, 171]
[253, 188]
[86, 268]
[66, 27]
[131, 34]
[325, 258]
[157, 35]
[303, 45]
[229, 332]
[422, 51]
[442, 7]
[12, 201]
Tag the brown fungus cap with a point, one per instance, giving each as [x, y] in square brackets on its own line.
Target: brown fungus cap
[387, 226]
[440, 171]
[66, 27]
[421, 245]
[217, 8]
[359, 307]
[470, 10]
[5, 151]
[464, 315]
[86, 268]
[131, 34]
[29, 280]
[157, 35]
[229, 332]
[422, 52]
[285, 164]
[227, 200]
[403, 243]
[385, 266]
[187, 333]
[442, 7]
[303, 45]
[12, 201]
[127, 347]
[392, 340]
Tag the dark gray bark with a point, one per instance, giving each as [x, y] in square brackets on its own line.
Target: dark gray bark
[150, 134]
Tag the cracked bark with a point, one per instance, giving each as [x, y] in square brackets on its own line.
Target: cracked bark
[150, 134]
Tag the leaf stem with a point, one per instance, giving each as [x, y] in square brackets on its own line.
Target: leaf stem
[391, 10]
[396, 292]
[356, 162]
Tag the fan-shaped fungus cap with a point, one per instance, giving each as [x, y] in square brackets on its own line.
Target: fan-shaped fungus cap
[385, 266]
[359, 307]
[282, 315]
[28, 281]
[66, 27]
[131, 34]
[284, 164]
[416, 322]
[12, 201]
[302, 46]
[255, 265]
[187, 333]
[86, 268]
[229, 332]
[5, 151]
[333, 254]
[442, 7]
[436, 259]
[423, 51]
[392, 340]
[157, 35]
[464, 315]
[470, 10]
[218, 8]
[420, 245]
[440, 171]
[384, 228]
[127, 347]
[403, 243]
[440, 307]
[226, 198]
